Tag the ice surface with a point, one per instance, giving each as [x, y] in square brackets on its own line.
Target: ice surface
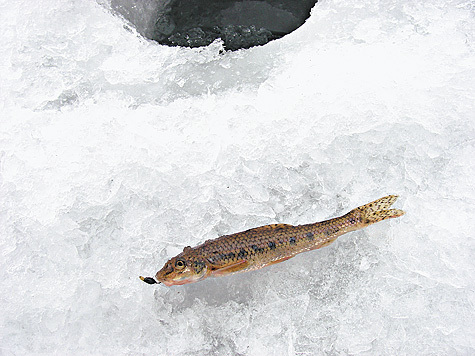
[116, 152]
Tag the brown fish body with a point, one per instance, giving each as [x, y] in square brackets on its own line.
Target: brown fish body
[263, 246]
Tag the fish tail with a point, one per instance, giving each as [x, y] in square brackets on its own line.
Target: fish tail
[376, 211]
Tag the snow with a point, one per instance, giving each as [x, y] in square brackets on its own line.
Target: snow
[116, 152]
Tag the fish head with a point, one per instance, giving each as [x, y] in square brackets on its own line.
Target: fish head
[182, 270]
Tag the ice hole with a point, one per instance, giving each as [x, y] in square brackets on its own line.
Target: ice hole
[196, 23]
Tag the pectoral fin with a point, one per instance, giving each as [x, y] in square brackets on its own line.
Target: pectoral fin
[280, 260]
[236, 267]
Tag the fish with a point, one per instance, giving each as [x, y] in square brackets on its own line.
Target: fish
[266, 245]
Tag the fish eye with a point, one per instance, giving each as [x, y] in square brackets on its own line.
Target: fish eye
[179, 264]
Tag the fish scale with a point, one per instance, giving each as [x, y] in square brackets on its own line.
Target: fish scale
[266, 245]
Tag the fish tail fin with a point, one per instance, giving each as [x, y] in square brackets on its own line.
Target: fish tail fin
[376, 211]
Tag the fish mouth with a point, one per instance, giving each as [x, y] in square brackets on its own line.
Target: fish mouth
[175, 283]
[178, 280]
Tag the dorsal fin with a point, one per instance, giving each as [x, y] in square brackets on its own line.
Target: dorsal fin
[272, 227]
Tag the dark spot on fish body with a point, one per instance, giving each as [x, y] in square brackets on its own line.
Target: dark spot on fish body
[242, 253]
[223, 256]
[310, 236]
[257, 249]
[271, 245]
[292, 240]
[352, 221]
[198, 266]
[231, 255]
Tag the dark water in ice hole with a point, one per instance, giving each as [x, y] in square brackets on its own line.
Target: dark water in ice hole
[196, 23]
